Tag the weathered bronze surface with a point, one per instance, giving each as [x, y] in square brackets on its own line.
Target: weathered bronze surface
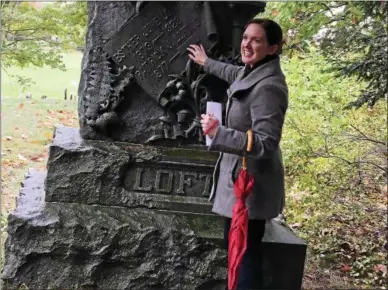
[155, 42]
[138, 84]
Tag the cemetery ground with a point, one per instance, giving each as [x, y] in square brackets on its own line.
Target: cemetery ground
[345, 233]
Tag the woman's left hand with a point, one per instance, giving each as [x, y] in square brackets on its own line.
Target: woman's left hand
[209, 124]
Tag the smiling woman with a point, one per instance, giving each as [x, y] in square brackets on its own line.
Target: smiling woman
[257, 101]
[262, 38]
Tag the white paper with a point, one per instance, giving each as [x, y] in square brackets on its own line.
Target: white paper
[216, 109]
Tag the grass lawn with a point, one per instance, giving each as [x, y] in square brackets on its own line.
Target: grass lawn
[27, 125]
[49, 82]
[27, 129]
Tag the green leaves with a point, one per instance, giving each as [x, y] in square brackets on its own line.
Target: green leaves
[36, 37]
[330, 158]
[352, 35]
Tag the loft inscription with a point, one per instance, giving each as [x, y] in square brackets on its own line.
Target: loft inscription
[164, 181]
[155, 42]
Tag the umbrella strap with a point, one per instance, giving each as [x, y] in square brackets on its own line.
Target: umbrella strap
[249, 147]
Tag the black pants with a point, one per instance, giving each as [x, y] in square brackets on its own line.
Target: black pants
[250, 271]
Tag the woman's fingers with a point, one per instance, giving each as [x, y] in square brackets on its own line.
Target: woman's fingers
[207, 121]
[192, 57]
[197, 53]
[194, 46]
[192, 50]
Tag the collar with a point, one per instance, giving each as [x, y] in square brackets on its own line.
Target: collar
[248, 69]
[271, 67]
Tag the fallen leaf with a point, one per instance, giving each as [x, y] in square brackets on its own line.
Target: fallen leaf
[275, 12]
[60, 111]
[21, 157]
[381, 268]
[21, 106]
[38, 142]
[37, 158]
[48, 135]
[9, 138]
[345, 268]
[295, 225]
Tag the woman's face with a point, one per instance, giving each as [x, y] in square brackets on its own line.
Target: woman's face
[254, 45]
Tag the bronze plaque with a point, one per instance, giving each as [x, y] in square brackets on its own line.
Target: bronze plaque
[155, 42]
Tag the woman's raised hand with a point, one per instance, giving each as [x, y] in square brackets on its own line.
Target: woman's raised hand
[197, 53]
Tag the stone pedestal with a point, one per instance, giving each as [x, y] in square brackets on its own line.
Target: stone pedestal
[112, 215]
[69, 246]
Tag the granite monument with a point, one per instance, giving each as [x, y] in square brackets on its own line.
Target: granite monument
[124, 202]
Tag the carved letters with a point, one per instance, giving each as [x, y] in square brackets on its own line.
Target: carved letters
[155, 42]
[183, 181]
[152, 49]
[175, 182]
[170, 177]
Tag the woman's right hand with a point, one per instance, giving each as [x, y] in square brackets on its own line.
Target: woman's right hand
[197, 54]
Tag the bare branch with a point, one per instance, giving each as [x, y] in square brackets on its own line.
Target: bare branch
[366, 138]
[328, 155]
[327, 8]
[31, 39]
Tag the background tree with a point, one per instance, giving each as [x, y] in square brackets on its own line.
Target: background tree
[32, 36]
[352, 35]
[335, 159]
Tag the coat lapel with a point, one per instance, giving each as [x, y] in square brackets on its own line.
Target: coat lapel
[270, 68]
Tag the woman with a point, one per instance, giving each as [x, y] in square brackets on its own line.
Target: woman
[257, 100]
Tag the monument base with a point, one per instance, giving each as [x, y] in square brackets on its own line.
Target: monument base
[125, 216]
[71, 246]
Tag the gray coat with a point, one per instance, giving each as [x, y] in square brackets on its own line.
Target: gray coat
[258, 102]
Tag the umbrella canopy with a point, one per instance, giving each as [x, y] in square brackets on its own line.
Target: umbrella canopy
[238, 233]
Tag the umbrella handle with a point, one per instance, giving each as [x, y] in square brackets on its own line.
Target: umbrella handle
[249, 147]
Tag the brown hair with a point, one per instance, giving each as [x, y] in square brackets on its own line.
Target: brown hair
[273, 31]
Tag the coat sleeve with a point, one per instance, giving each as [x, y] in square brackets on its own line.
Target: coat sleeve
[267, 110]
[224, 71]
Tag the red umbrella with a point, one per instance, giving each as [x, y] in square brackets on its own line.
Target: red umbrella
[238, 233]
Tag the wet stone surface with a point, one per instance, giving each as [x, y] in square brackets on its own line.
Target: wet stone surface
[79, 246]
[129, 175]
